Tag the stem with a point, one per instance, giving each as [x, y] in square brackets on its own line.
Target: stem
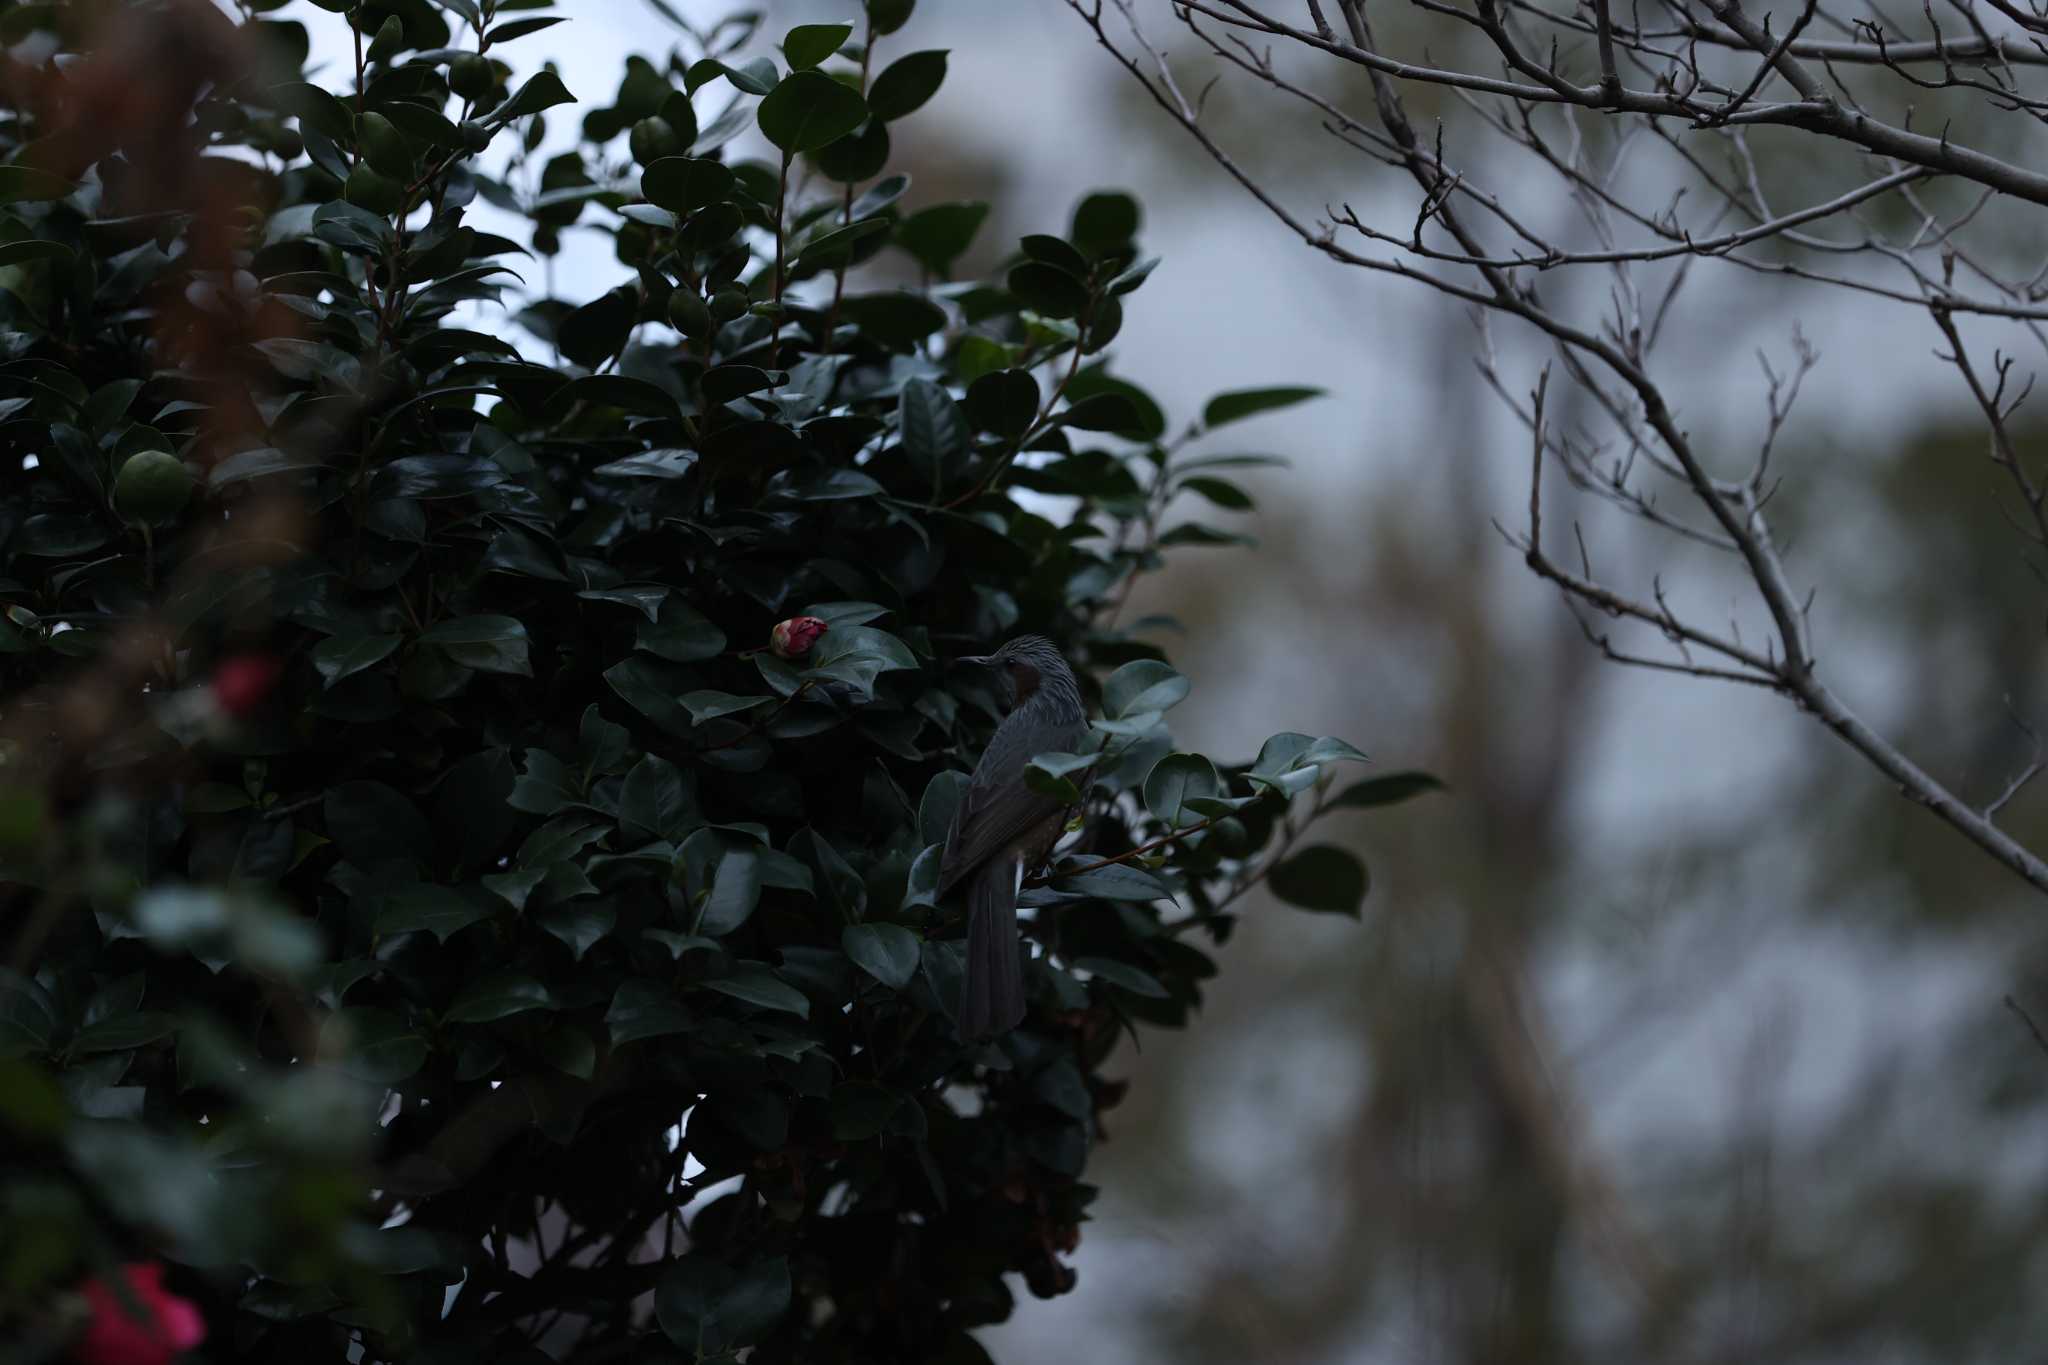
[764, 722]
[781, 238]
[987, 481]
[355, 153]
[867, 51]
[1137, 852]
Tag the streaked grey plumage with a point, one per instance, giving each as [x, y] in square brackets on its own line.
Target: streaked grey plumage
[1002, 827]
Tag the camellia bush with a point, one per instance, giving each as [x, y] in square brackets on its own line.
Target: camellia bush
[471, 771]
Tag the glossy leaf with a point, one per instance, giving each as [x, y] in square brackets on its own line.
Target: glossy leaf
[807, 110]
[887, 952]
[906, 83]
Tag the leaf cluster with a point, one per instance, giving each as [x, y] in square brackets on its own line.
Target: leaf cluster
[444, 919]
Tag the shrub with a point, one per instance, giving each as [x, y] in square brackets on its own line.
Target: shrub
[443, 920]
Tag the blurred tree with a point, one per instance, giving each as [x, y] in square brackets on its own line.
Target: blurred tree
[1601, 1096]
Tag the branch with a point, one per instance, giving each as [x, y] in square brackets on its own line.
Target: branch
[1737, 509]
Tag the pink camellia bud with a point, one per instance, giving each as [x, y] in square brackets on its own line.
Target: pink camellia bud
[242, 681]
[793, 638]
[158, 1325]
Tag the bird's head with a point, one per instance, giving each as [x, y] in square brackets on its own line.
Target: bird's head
[1024, 665]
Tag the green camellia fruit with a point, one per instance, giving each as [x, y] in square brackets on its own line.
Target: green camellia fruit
[689, 313]
[367, 189]
[728, 303]
[152, 487]
[654, 138]
[470, 75]
[384, 147]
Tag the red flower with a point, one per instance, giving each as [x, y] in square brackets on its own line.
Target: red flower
[162, 1326]
[792, 639]
[243, 681]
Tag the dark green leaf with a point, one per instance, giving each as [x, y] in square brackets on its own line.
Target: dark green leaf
[681, 634]
[642, 1009]
[645, 598]
[706, 705]
[940, 234]
[1045, 288]
[649, 689]
[758, 986]
[682, 184]
[1173, 780]
[836, 247]
[1134, 276]
[935, 810]
[373, 1045]
[543, 90]
[887, 952]
[886, 16]
[569, 1050]
[756, 77]
[650, 464]
[934, 431]
[710, 1309]
[580, 926]
[1117, 882]
[341, 656]
[1140, 686]
[857, 156]
[1384, 791]
[804, 46]
[654, 798]
[906, 83]
[1321, 877]
[434, 909]
[735, 891]
[1004, 402]
[808, 110]
[370, 822]
[1111, 412]
[1105, 223]
[1122, 974]
[1230, 407]
[498, 996]
[856, 655]
[315, 109]
[489, 644]
[598, 330]
[1221, 492]
[863, 1110]
[122, 1032]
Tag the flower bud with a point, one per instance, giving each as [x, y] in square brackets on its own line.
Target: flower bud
[145, 1326]
[792, 639]
[242, 682]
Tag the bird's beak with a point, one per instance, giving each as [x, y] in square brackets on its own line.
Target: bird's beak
[982, 659]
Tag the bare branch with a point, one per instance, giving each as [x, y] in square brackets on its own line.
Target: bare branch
[1608, 361]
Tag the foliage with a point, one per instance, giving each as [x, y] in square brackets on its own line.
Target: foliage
[442, 922]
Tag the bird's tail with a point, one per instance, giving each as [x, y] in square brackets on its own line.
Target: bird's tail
[992, 991]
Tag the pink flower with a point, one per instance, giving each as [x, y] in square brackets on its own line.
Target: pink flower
[792, 639]
[162, 1326]
[242, 681]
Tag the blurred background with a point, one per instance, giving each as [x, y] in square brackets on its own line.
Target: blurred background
[1671, 1032]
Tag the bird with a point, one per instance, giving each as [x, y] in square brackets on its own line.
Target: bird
[1002, 827]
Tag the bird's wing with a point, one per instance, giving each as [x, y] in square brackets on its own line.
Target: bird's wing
[998, 808]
